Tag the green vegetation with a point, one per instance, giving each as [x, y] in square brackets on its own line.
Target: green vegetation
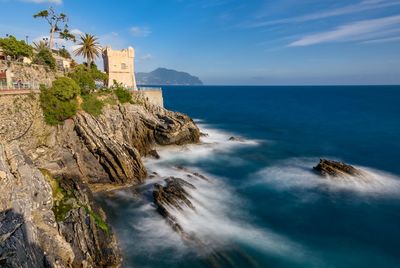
[92, 105]
[15, 48]
[89, 48]
[45, 57]
[86, 78]
[59, 102]
[83, 78]
[63, 201]
[123, 95]
[98, 220]
[64, 53]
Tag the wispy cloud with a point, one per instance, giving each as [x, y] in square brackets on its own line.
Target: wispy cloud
[139, 31]
[355, 31]
[147, 56]
[346, 10]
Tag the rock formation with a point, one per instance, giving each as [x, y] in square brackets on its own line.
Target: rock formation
[335, 169]
[47, 174]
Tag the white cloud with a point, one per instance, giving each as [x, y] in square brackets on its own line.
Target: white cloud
[76, 32]
[58, 2]
[140, 31]
[354, 31]
[349, 9]
[147, 56]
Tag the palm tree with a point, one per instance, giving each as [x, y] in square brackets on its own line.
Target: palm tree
[41, 45]
[89, 48]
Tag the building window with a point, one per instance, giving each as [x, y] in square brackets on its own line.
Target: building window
[123, 66]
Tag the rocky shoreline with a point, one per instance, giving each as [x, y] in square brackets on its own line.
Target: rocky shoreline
[48, 214]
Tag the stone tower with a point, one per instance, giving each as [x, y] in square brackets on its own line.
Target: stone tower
[119, 65]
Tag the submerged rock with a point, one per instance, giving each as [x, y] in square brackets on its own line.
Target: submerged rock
[154, 154]
[239, 139]
[336, 169]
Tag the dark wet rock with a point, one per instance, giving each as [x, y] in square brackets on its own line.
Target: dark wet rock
[192, 174]
[239, 139]
[154, 154]
[202, 134]
[336, 169]
[173, 193]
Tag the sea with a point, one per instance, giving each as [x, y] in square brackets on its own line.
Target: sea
[262, 204]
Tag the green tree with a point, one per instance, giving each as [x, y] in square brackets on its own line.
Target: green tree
[83, 78]
[59, 102]
[55, 20]
[15, 48]
[64, 53]
[45, 57]
[98, 75]
[89, 48]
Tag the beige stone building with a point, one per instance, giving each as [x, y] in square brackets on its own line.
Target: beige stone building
[119, 65]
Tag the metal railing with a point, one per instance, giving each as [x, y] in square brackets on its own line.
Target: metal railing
[19, 86]
[149, 88]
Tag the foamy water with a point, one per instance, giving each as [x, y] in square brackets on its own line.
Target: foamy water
[220, 218]
[297, 173]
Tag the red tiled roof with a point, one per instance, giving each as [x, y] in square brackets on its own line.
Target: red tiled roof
[3, 75]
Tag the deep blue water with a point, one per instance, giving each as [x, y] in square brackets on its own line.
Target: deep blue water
[275, 212]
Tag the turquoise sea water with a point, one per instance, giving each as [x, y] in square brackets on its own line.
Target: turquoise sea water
[263, 205]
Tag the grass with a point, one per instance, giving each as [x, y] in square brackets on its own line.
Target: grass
[98, 220]
[92, 105]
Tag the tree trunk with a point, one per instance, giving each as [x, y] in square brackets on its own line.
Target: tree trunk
[51, 37]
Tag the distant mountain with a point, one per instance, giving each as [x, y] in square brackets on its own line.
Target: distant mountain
[162, 76]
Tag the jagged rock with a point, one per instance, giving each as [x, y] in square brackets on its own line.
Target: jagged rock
[28, 230]
[239, 139]
[90, 237]
[202, 134]
[83, 153]
[120, 160]
[334, 168]
[154, 154]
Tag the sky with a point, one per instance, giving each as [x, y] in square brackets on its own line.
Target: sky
[236, 42]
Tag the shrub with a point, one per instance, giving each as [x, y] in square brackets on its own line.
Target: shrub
[44, 57]
[83, 78]
[123, 95]
[59, 102]
[92, 105]
[15, 48]
[65, 88]
[64, 53]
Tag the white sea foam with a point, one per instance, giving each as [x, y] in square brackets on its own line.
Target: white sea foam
[298, 173]
[212, 147]
[220, 217]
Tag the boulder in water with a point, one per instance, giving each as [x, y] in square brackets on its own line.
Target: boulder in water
[239, 139]
[154, 154]
[336, 169]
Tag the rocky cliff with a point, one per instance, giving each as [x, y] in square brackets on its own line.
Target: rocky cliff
[47, 174]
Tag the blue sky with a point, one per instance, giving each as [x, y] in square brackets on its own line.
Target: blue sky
[257, 42]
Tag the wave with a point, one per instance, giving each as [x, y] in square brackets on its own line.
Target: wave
[220, 219]
[214, 146]
[297, 173]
